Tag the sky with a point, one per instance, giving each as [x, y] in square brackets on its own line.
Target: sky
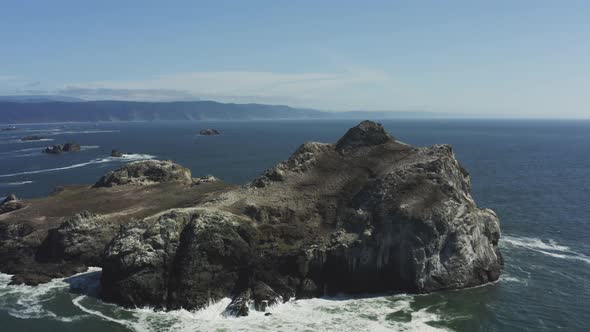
[477, 58]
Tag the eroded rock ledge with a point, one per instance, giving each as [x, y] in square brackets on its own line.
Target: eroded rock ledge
[367, 214]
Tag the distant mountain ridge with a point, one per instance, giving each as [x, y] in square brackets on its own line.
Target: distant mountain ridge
[28, 111]
[38, 98]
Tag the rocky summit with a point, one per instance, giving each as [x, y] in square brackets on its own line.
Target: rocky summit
[366, 214]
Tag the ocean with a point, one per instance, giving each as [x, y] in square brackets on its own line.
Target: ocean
[534, 174]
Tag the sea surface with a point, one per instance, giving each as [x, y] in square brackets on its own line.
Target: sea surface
[534, 174]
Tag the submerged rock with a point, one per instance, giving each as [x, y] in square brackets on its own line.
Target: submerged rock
[367, 214]
[144, 173]
[209, 132]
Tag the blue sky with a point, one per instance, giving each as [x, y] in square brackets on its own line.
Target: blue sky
[493, 58]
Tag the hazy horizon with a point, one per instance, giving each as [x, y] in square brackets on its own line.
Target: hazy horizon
[505, 59]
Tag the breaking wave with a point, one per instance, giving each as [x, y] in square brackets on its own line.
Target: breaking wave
[546, 247]
[124, 158]
[384, 313]
[323, 314]
[27, 302]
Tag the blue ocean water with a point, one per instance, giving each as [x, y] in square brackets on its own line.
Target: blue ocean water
[534, 174]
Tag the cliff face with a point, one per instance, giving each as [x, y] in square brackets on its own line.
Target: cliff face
[366, 214]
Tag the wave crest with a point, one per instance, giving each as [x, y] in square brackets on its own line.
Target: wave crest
[547, 247]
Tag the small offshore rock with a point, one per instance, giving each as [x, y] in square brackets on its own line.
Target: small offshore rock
[54, 149]
[32, 138]
[58, 148]
[116, 154]
[71, 147]
[209, 132]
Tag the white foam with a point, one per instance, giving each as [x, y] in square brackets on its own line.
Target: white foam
[85, 132]
[323, 314]
[320, 314]
[507, 278]
[26, 141]
[4, 278]
[27, 302]
[96, 313]
[125, 158]
[11, 184]
[21, 150]
[548, 247]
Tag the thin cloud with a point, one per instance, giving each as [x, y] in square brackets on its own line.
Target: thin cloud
[312, 89]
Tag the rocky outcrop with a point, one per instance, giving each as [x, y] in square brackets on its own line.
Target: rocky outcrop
[367, 214]
[116, 154]
[51, 238]
[11, 203]
[80, 238]
[204, 179]
[209, 132]
[58, 148]
[71, 147]
[145, 173]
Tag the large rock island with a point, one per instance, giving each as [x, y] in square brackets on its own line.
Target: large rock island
[366, 214]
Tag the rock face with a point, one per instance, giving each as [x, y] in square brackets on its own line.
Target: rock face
[367, 214]
[80, 238]
[145, 173]
[51, 238]
[209, 132]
